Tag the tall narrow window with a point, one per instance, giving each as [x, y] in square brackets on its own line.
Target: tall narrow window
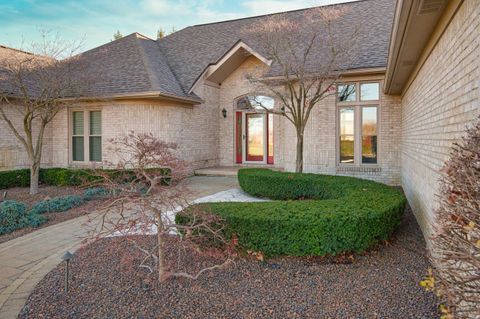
[95, 137]
[78, 150]
[347, 135]
[369, 134]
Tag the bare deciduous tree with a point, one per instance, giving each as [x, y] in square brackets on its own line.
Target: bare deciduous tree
[456, 241]
[35, 87]
[307, 58]
[147, 193]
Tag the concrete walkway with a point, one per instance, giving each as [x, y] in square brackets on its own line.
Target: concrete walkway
[24, 261]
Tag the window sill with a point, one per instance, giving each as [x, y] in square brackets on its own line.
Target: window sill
[372, 169]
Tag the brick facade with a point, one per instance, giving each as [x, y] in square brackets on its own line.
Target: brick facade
[441, 101]
[320, 152]
[416, 130]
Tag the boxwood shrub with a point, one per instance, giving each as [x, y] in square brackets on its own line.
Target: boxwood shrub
[14, 215]
[15, 178]
[57, 204]
[62, 177]
[339, 213]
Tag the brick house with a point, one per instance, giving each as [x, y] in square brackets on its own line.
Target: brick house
[416, 81]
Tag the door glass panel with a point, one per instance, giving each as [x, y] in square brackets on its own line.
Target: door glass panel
[255, 137]
[347, 135]
[369, 135]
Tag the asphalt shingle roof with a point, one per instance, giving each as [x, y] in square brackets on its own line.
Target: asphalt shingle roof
[136, 64]
[189, 51]
[132, 64]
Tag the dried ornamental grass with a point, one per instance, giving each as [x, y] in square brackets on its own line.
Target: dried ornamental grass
[456, 242]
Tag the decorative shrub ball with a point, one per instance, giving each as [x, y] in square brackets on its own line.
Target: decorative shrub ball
[311, 214]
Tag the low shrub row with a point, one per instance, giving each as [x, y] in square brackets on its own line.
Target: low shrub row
[14, 215]
[48, 176]
[340, 214]
[62, 176]
[57, 204]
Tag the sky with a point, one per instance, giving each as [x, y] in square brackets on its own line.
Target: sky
[95, 21]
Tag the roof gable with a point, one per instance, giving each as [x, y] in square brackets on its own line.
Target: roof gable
[191, 50]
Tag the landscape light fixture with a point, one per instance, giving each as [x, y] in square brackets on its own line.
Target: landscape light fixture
[67, 257]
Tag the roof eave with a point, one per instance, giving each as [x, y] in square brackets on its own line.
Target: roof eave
[144, 95]
[414, 35]
[210, 68]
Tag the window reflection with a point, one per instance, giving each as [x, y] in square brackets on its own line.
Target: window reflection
[346, 92]
[369, 135]
[347, 135]
[369, 91]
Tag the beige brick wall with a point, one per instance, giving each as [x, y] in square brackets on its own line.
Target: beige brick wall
[189, 126]
[442, 100]
[320, 133]
[320, 151]
[12, 152]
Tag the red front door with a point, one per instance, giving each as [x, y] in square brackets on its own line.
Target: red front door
[254, 136]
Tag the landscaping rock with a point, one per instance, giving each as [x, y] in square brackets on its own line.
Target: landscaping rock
[383, 283]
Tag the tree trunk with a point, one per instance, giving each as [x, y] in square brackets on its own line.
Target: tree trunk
[299, 161]
[161, 257]
[34, 176]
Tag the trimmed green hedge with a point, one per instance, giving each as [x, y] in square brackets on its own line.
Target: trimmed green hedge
[341, 213]
[16, 178]
[48, 176]
[14, 215]
[62, 176]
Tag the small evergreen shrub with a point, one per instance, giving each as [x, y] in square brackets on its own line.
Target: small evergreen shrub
[13, 216]
[94, 193]
[58, 204]
[15, 178]
[341, 214]
[68, 177]
[65, 177]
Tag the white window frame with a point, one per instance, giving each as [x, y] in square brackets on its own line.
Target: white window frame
[86, 135]
[358, 106]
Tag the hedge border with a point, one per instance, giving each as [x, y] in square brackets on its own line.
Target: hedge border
[341, 214]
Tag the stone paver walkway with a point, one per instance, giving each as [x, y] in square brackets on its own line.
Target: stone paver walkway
[24, 261]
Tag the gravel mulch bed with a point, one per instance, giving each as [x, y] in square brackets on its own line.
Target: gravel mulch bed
[382, 283]
[21, 194]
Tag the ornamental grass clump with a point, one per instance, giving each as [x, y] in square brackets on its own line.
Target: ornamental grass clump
[456, 241]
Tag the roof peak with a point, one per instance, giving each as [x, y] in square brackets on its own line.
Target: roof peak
[275, 13]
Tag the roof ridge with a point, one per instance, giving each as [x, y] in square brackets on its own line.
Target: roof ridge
[154, 82]
[167, 62]
[274, 13]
